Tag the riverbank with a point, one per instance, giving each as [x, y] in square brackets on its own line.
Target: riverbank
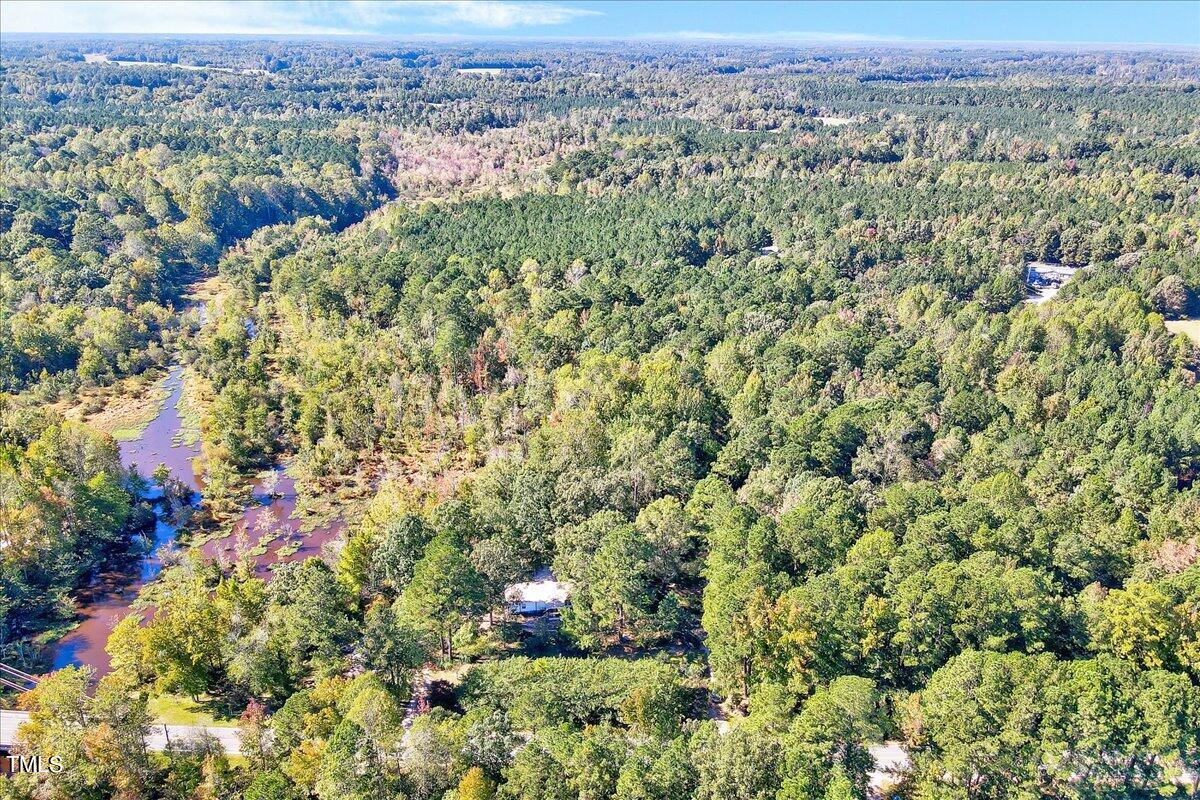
[280, 523]
[122, 409]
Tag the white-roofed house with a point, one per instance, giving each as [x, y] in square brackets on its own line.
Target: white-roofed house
[539, 596]
[1045, 279]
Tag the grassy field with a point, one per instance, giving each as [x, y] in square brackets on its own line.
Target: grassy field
[173, 709]
[193, 400]
[122, 410]
[1190, 327]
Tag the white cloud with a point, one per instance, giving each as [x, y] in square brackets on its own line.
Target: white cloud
[480, 13]
[777, 36]
[277, 17]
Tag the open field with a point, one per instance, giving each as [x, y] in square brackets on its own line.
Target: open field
[101, 58]
[122, 410]
[174, 709]
[1188, 327]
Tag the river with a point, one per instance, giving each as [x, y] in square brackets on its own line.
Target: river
[111, 595]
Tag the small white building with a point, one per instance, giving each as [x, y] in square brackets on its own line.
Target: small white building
[1043, 273]
[538, 596]
[1045, 279]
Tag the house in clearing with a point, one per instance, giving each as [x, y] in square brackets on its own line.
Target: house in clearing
[1045, 279]
[536, 597]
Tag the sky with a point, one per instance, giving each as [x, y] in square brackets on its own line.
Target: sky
[1134, 23]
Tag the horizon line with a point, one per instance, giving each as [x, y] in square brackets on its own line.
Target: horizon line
[809, 38]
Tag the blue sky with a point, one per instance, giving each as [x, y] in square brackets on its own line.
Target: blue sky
[1070, 22]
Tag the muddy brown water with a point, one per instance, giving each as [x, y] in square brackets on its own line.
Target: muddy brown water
[111, 596]
[269, 516]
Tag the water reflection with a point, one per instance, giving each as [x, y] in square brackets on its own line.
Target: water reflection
[266, 527]
[267, 533]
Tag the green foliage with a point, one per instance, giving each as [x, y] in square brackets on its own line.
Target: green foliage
[444, 591]
[303, 630]
[825, 749]
[99, 738]
[760, 389]
[66, 511]
[270, 786]
[739, 764]
[552, 691]
[994, 724]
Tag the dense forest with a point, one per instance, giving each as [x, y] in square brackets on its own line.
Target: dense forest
[736, 341]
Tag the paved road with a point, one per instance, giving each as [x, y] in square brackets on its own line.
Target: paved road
[156, 740]
[9, 720]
